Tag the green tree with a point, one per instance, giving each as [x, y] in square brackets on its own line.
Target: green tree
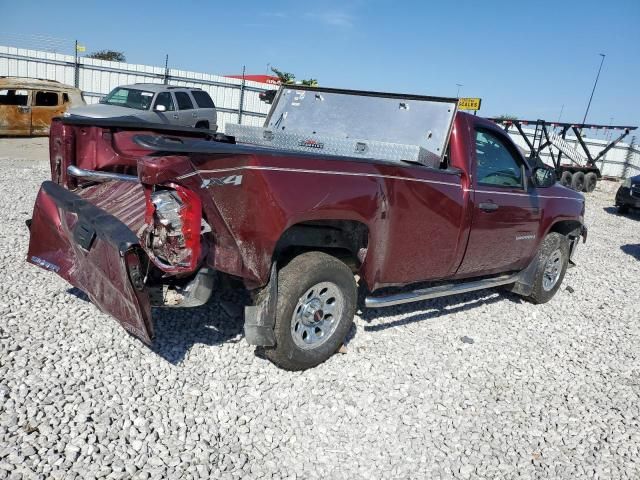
[110, 55]
[287, 78]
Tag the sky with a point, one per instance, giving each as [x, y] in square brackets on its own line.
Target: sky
[534, 59]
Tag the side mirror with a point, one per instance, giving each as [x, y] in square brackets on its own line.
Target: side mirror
[544, 177]
[160, 108]
[102, 99]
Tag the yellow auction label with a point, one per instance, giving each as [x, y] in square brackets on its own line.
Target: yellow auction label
[469, 103]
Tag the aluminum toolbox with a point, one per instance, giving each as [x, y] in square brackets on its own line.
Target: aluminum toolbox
[350, 123]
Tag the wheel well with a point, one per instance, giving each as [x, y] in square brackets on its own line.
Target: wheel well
[566, 227]
[203, 124]
[344, 239]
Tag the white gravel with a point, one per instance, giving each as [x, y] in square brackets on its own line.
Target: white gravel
[550, 391]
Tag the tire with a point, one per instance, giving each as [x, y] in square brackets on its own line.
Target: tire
[590, 182]
[202, 125]
[553, 259]
[622, 209]
[317, 298]
[577, 182]
[566, 178]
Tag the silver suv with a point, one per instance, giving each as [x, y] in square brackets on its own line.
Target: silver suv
[157, 103]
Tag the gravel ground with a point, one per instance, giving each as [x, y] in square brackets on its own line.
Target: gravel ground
[481, 385]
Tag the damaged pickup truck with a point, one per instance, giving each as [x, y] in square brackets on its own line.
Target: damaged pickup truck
[411, 196]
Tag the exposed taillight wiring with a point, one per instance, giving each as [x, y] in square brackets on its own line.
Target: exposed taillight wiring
[173, 220]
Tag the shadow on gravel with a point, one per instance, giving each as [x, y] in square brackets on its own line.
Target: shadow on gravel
[178, 329]
[219, 321]
[435, 308]
[631, 214]
[633, 250]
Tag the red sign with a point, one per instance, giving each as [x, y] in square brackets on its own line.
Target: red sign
[258, 78]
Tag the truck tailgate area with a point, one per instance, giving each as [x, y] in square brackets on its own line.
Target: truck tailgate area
[93, 250]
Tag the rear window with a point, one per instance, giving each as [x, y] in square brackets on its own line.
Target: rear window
[184, 102]
[14, 97]
[203, 99]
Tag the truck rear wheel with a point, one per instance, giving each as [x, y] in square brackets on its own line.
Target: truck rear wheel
[565, 179]
[553, 258]
[590, 182]
[577, 182]
[316, 303]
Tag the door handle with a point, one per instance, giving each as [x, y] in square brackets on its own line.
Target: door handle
[175, 115]
[488, 206]
[194, 114]
[24, 109]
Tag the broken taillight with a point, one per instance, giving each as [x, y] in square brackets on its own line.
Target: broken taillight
[174, 218]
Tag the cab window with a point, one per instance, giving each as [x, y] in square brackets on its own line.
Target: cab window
[164, 99]
[496, 166]
[46, 99]
[14, 97]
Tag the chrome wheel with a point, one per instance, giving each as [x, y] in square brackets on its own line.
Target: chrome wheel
[552, 270]
[317, 315]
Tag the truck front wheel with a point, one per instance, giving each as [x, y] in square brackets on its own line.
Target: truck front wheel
[552, 265]
[315, 307]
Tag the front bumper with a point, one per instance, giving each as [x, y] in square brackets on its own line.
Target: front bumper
[626, 197]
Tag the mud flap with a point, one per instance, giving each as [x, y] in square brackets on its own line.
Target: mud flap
[93, 251]
[260, 319]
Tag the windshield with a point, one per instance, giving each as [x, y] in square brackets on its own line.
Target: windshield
[130, 98]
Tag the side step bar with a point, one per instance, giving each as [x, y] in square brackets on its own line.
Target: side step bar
[439, 291]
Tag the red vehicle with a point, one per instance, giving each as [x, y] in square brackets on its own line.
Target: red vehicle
[295, 208]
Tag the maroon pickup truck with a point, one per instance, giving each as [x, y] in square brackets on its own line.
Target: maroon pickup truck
[411, 197]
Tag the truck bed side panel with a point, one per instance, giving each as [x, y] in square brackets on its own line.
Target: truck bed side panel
[414, 214]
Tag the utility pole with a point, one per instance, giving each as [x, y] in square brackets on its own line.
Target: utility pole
[76, 68]
[594, 88]
[458, 91]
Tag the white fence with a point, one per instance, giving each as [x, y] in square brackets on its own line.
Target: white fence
[236, 101]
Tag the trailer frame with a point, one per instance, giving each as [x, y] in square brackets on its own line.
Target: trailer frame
[579, 177]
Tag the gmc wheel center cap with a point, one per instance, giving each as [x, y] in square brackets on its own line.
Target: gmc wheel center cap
[312, 312]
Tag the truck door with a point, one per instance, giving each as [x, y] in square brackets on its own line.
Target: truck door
[505, 216]
[15, 112]
[44, 106]
[188, 116]
[164, 109]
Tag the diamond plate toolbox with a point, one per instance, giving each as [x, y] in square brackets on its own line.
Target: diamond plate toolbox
[346, 147]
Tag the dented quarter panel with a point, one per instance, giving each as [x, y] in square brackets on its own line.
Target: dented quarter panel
[279, 191]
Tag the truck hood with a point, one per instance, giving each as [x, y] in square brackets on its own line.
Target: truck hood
[100, 110]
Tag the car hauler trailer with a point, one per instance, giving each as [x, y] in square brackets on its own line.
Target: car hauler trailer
[575, 168]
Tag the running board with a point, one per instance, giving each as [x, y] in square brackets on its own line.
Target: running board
[439, 291]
